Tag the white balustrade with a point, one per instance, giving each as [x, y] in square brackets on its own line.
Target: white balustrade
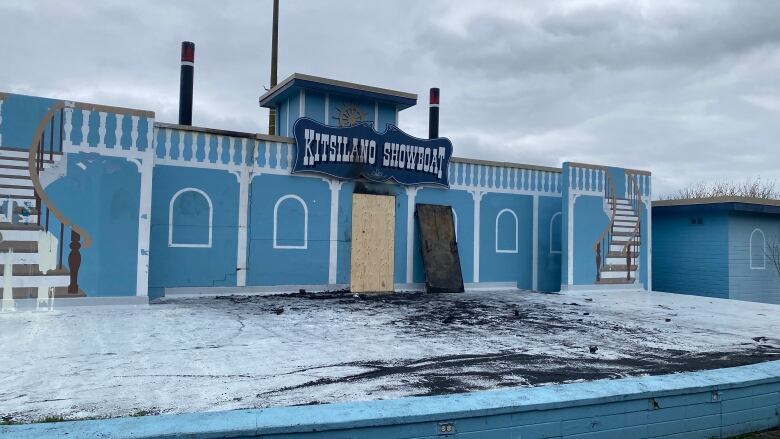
[84, 127]
[134, 133]
[207, 149]
[102, 129]
[167, 145]
[120, 118]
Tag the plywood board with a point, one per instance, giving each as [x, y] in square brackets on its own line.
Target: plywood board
[373, 239]
[440, 256]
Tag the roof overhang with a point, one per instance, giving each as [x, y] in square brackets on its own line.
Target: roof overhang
[730, 204]
[298, 81]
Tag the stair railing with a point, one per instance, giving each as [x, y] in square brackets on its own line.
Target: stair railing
[49, 133]
[601, 246]
[634, 196]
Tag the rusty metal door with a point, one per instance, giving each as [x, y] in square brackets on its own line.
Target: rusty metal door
[439, 249]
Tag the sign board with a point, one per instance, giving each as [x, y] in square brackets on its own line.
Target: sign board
[359, 151]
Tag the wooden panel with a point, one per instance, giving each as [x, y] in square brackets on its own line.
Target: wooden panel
[373, 239]
[439, 249]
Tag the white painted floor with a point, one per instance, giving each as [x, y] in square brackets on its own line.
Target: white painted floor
[219, 354]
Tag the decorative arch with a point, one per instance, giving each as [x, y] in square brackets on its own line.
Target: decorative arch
[757, 250]
[293, 198]
[555, 233]
[188, 221]
[512, 247]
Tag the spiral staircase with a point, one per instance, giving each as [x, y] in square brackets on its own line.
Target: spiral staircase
[33, 232]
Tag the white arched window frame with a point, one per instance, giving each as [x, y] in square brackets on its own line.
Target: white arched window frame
[170, 218]
[754, 265]
[305, 244]
[498, 217]
[552, 250]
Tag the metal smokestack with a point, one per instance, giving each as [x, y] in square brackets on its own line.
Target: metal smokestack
[185, 82]
[433, 114]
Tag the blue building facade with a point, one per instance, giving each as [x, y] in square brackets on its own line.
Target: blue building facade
[718, 247]
[139, 208]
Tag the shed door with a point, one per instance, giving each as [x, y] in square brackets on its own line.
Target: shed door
[439, 249]
[373, 239]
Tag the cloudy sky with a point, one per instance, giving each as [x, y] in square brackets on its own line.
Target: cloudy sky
[688, 90]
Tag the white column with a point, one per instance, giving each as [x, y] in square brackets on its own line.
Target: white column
[84, 127]
[8, 281]
[535, 257]
[649, 233]
[144, 219]
[335, 189]
[570, 240]
[411, 195]
[477, 195]
[102, 129]
[243, 218]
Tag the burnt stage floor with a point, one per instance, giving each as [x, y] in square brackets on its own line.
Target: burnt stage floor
[241, 352]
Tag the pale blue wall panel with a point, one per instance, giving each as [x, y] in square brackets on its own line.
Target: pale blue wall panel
[285, 262]
[752, 276]
[194, 266]
[101, 195]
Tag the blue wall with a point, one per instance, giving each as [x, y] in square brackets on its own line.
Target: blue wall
[689, 257]
[288, 266]
[21, 116]
[550, 258]
[107, 190]
[506, 267]
[756, 279]
[187, 266]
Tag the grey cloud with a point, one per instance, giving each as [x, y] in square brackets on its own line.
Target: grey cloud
[685, 89]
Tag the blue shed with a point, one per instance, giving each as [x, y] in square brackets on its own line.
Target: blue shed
[717, 247]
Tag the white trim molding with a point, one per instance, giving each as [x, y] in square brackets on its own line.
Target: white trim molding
[170, 218]
[333, 251]
[411, 197]
[476, 194]
[514, 215]
[305, 223]
[560, 230]
[455, 222]
[763, 250]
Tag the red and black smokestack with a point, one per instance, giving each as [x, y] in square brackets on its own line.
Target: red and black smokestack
[185, 83]
[433, 115]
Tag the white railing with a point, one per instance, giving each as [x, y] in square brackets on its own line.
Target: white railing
[585, 178]
[203, 149]
[108, 131]
[467, 175]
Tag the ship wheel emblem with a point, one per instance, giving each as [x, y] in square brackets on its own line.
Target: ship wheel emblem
[349, 115]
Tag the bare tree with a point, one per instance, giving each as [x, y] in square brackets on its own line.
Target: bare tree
[752, 188]
[772, 251]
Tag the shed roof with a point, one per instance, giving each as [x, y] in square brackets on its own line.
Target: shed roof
[734, 204]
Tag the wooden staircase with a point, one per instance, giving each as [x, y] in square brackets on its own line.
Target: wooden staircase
[620, 263]
[618, 248]
[35, 272]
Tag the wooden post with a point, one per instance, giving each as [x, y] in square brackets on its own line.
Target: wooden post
[74, 262]
[274, 59]
[628, 260]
